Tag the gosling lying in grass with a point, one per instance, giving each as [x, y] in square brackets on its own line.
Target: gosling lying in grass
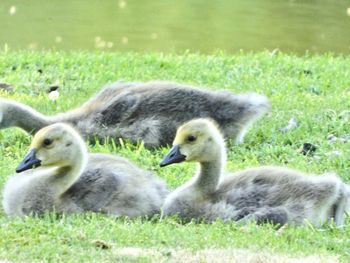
[58, 174]
[148, 111]
[265, 194]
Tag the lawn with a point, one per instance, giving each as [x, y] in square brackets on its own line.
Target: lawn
[313, 89]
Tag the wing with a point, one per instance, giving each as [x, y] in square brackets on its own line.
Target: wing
[94, 189]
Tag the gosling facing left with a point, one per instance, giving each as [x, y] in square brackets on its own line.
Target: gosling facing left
[264, 194]
[58, 174]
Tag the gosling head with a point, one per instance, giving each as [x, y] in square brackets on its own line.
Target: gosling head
[57, 145]
[198, 140]
[11, 112]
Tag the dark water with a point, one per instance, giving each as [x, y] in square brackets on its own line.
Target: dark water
[177, 25]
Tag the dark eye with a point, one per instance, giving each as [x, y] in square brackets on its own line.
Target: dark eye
[47, 142]
[191, 138]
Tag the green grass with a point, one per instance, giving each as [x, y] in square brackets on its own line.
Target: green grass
[313, 89]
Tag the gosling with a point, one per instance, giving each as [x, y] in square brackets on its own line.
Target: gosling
[148, 112]
[265, 194]
[59, 175]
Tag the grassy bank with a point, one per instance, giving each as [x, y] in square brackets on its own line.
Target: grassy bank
[315, 90]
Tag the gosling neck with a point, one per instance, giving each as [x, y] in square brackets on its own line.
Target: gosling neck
[209, 174]
[65, 176]
[25, 117]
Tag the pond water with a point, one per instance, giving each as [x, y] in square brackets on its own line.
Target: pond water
[174, 26]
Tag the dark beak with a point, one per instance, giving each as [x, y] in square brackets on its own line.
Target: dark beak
[28, 162]
[174, 156]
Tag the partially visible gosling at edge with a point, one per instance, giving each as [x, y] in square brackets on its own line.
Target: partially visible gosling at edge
[59, 175]
[265, 194]
[148, 112]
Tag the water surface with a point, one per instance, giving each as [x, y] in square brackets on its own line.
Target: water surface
[169, 25]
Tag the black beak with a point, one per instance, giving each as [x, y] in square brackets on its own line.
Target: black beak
[28, 162]
[174, 156]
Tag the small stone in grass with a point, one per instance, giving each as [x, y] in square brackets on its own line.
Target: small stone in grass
[101, 244]
[308, 149]
[332, 138]
[343, 139]
[53, 93]
[53, 88]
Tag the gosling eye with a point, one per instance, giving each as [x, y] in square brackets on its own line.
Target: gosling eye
[47, 142]
[191, 138]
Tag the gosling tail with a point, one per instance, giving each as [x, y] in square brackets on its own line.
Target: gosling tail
[254, 107]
